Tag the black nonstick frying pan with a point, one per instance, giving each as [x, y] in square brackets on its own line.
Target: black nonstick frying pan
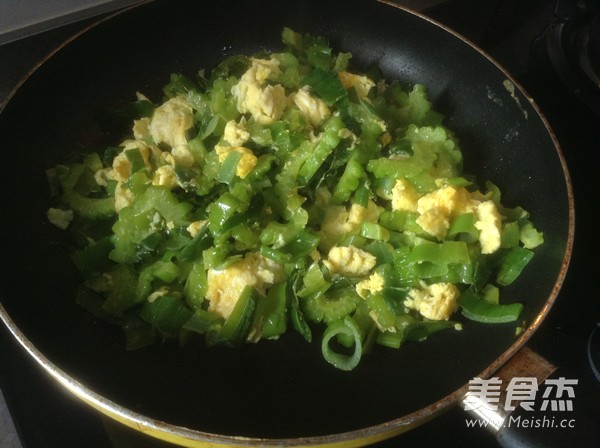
[275, 392]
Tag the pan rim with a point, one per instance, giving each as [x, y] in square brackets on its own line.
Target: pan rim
[371, 434]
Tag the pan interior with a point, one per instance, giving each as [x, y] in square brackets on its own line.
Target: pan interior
[276, 388]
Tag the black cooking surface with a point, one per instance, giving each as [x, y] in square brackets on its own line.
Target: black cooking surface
[522, 37]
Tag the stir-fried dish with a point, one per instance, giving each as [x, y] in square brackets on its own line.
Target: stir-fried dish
[289, 191]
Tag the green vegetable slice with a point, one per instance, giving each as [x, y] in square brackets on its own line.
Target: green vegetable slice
[346, 327]
[479, 310]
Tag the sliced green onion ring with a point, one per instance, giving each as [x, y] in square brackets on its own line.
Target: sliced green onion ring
[347, 327]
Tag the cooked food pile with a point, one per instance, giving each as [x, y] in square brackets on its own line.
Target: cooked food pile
[289, 191]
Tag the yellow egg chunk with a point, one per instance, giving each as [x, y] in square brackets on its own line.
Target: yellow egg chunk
[235, 133]
[121, 166]
[404, 196]
[437, 301]
[314, 109]
[246, 163]
[439, 207]
[489, 224]
[339, 221]
[268, 106]
[435, 222]
[362, 84]
[265, 103]
[123, 196]
[370, 285]
[450, 199]
[164, 176]
[182, 155]
[141, 128]
[226, 285]
[349, 261]
[263, 68]
[359, 214]
[195, 227]
[170, 122]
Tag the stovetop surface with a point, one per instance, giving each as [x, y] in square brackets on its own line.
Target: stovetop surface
[47, 416]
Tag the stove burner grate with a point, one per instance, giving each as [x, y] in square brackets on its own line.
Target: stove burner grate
[573, 47]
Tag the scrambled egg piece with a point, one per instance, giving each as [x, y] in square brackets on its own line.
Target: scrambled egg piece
[141, 128]
[370, 285]
[266, 104]
[59, 217]
[165, 176]
[359, 214]
[437, 301]
[246, 163]
[362, 84]
[339, 221]
[315, 110]
[235, 133]
[435, 222]
[181, 155]
[404, 196]
[121, 166]
[195, 227]
[263, 68]
[489, 224]
[226, 285]
[121, 170]
[123, 196]
[170, 122]
[440, 206]
[450, 200]
[349, 261]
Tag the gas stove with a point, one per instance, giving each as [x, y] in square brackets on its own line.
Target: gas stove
[552, 48]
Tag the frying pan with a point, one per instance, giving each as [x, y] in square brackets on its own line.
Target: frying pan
[275, 392]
